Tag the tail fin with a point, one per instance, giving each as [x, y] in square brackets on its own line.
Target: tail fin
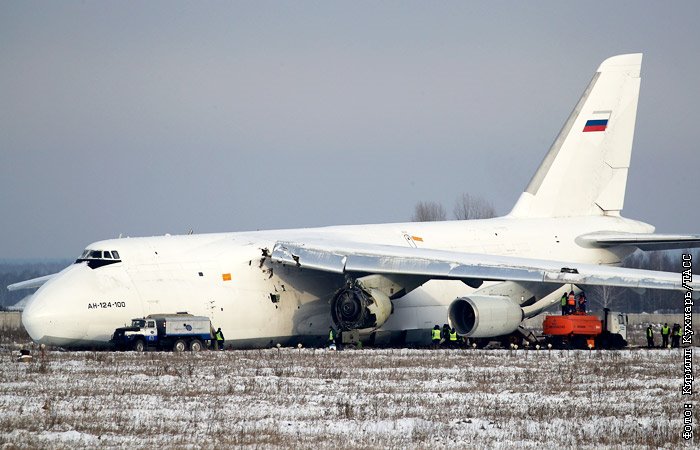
[585, 171]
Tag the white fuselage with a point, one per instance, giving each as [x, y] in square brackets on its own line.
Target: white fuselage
[257, 302]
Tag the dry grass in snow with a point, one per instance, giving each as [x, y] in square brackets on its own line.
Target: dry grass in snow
[369, 398]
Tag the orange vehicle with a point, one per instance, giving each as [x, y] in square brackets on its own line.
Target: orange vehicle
[581, 330]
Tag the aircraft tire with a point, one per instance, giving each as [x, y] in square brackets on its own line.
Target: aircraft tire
[196, 345]
[139, 346]
[179, 346]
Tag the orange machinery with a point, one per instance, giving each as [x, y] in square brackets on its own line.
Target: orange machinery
[578, 330]
[572, 324]
[581, 330]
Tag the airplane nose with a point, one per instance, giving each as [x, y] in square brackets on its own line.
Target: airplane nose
[47, 316]
[43, 318]
[32, 319]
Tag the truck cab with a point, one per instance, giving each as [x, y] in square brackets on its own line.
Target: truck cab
[615, 327]
[147, 329]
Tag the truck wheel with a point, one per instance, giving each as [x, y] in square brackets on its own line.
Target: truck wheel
[179, 346]
[139, 345]
[196, 345]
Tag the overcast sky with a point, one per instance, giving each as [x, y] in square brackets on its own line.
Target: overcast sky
[145, 118]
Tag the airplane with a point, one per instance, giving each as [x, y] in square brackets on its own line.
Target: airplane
[388, 281]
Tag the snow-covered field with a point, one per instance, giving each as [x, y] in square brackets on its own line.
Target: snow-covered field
[368, 398]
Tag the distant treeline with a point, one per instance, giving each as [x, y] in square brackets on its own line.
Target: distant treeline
[651, 300]
[618, 299]
[14, 272]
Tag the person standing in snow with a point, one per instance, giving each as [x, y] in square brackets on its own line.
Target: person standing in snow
[219, 336]
[435, 334]
[445, 334]
[331, 336]
[676, 336]
[665, 333]
[453, 338]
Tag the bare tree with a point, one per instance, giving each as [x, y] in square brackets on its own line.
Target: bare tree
[428, 212]
[605, 296]
[469, 207]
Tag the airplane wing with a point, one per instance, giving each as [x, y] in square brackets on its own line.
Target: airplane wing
[30, 284]
[440, 264]
[643, 241]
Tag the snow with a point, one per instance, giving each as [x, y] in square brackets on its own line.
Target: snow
[371, 398]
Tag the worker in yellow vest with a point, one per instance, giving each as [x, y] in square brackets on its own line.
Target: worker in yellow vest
[665, 333]
[650, 337]
[563, 304]
[436, 335]
[331, 336]
[453, 338]
[219, 336]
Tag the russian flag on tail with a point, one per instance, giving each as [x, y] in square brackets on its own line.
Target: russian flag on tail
[598, 121]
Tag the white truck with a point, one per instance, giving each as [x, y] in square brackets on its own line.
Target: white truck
[177, 332]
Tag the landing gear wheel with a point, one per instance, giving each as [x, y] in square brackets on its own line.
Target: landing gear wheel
[196, 345]
[179, 346]
[139, 346]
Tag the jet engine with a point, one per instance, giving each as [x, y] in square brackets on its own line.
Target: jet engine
[485, 316]
[354, 308]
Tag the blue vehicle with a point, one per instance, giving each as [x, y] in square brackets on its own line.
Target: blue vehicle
[176, 332]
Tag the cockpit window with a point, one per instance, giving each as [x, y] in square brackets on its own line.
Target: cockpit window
[98, 258]
[100, 254]
[138, 323]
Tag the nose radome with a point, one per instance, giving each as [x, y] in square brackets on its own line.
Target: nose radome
[44, 318]
[48, 316]
[32, 318]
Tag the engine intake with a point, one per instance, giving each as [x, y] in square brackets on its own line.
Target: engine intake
[485, 316]
[354, 308]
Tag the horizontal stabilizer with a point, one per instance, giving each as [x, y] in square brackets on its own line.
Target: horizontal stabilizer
[646, 242]
[30, 284]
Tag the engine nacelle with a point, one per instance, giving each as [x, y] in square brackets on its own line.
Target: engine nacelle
[355, 308]
[485, 316]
